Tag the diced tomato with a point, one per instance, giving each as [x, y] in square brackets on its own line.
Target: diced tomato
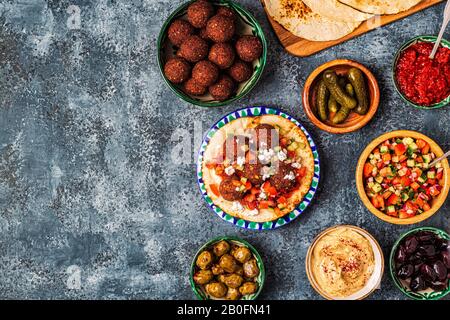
[414, 186]
[301, 172]
[376, 151]
[282, 199]
[250, 197]
[393, 199]
[402, 214]
[385, 172]
[252, 205]
[421, 143]
[283, 142]
[267, 187]
[431, 181]
[387, 157]
[387, 194]
[291, 154]
[419, 201]
[400, 149]
[405, 181]
[409, 205]
[380, 165]
[248, 185]
[277, 211]
[417, 171]
[426, 206]
[254, 191]
[378, 202]
[439, 175]
[419, 159]
[402, 159]
[392, 214]
[426, 149]
[215, 189]
[219, 169]
[434, 191]
[396, 181]
[367, 170]
[210, 165]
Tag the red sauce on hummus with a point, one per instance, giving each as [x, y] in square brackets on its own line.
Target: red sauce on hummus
[420, 79]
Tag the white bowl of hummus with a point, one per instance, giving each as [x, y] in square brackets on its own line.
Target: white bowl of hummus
[345, 262]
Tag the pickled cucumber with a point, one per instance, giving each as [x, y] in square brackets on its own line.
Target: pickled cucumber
[356, 78]
[331, 81]
[321, 101]
[343, 112]
[332, 104]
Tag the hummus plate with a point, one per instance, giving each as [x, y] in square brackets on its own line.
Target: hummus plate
[296, 200]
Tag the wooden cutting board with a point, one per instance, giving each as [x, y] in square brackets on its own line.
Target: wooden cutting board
[302, 47]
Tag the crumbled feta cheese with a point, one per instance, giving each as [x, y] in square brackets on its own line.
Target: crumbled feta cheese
[266, 172]
[265, 155]
[296, 165]
[253, 212]
[262, 195]
[281, 155]
[229, 170]
[290, 176]
[237, 206]
[237, 189]
[240, 161]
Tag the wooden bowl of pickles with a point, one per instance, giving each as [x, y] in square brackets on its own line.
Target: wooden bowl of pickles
[341, 96]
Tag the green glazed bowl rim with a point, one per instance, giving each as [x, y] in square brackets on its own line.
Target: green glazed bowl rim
[242, 12]
[228, 238]
[397, 283]
[424, 38]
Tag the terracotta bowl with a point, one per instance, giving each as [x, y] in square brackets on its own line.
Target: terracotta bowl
[436, 202]
[354, 120]
[375, 279]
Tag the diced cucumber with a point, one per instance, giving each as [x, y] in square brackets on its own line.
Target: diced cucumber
[425, 165]
[431, 174]
[292, 146]
[402, 172]
[384, 149]
[392, 189]
[419, 165]
[395, 159]
[407, 141]
[370, 184]
[379, 179]
[426, 158]
[391, 209]
[410, 163]
[438, 165]
[405, 197]
[244, 180]
[376, 187]
[413, 146]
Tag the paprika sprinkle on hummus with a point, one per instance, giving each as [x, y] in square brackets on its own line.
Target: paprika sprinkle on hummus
[422, 80]
[342, 262]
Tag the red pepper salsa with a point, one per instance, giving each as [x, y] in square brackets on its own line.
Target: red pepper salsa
[422, 80]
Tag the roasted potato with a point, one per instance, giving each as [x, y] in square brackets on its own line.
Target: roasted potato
[217, 270]
[221, 248]
[228, 263]
[251, 269]
[203, 276]
[242, 254]
[232, 280]
[233, 294]
[248, 288]
[216, 289]
[204, 260]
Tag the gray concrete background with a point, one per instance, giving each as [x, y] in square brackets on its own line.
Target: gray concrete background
[91, 205]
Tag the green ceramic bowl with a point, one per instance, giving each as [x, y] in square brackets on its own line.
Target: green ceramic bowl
[432, 39]
[427, 294]
[246, 25]
[260, 279]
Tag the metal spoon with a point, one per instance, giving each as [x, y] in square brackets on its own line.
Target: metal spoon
[445, 155]
[441, 32]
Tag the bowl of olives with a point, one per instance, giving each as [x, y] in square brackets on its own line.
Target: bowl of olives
[420, 263]
[227, 268]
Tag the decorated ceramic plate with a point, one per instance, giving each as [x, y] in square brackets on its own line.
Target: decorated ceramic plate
[258, 168]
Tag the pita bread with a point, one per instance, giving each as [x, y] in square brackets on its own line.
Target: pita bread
[381, 6]
[300, 20]
[238, 127]
[334, 10]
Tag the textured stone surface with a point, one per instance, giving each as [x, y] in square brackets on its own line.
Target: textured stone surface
[91, 204]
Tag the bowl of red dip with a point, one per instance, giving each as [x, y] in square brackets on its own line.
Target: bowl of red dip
[423, 82]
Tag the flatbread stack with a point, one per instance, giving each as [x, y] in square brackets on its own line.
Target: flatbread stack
[325, 20]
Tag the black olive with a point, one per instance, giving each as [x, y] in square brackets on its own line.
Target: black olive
[427, 250]
[426, 237]
[428, 273]
[417, 283]
[446, 258]
[417, 268]
[438, 285]
[440, 269]
[405, 271]
[416, 258]
[400, 255]
[411, 244]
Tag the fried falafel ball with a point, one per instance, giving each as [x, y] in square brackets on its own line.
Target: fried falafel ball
[205, 73]
[284, 179]
[204, 260]
[228, 12]
[179, 31]
[191, 87]
[203, 34]
[229, 189]
[199, 12]
[242, 254]
[234, 147]
[266, 136]
[223, 88]
[240, 71]
[248, 48]
[222, 54]
[203, 276]
[216, 289]
[193, 49]
[252, 171]
[248, 288]
[220, 248]
[251, 269]
[228, 263]
[177, 70]
[220, 28]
